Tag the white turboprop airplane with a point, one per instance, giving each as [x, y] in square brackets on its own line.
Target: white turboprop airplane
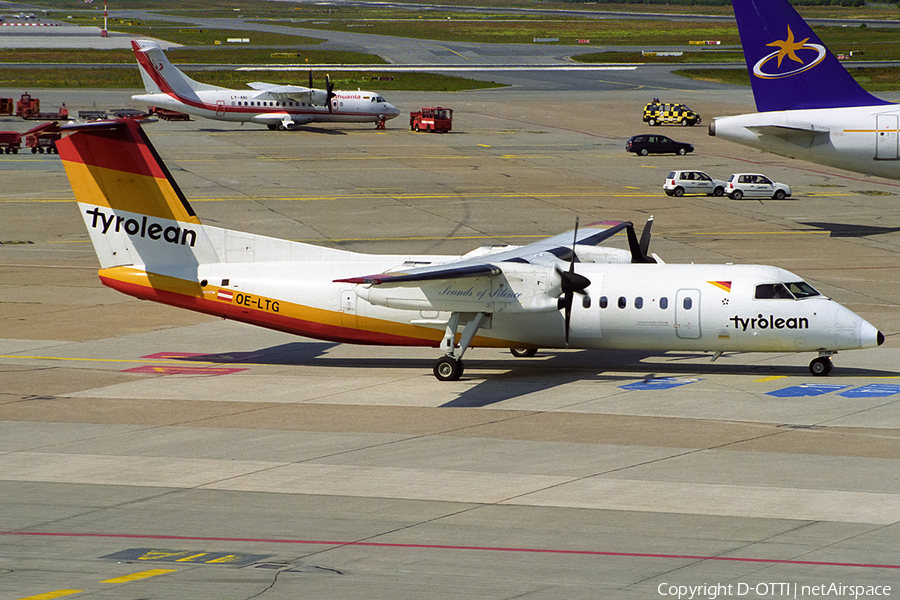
[151, 245]
[276, 106]
[810, 107]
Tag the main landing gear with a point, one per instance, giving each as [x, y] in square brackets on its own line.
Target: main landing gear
[450, 367]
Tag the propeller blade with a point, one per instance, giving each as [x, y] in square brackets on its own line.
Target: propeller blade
[329, 92]
[571, 283]
[310, 79]
[574, 241]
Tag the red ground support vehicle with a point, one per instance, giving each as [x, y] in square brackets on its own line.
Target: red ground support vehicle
[30, 108]
[169, 115]
[6, 106]
[43, 138]
[10, 142]
[432, 119]
[27, 106]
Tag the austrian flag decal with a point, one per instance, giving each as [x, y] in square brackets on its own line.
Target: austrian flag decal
[225, 295]
[723, 285]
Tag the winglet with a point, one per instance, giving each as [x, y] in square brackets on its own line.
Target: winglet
[790, 68]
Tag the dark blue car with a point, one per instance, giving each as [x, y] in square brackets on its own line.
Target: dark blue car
[650, 143]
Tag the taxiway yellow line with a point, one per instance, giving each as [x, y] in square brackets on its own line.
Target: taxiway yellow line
[51, 595]
[138, 576]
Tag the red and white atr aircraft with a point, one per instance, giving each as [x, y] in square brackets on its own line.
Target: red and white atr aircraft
[152, 245]
[276, 106]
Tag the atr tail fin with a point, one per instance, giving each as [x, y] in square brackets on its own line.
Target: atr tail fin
[134, 211]
[789, 66]
[162, 77]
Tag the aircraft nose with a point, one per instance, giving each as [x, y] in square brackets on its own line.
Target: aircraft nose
[869, 336]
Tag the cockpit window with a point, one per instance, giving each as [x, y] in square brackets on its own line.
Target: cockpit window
[801, 289]
[769, 291]
[785, 291]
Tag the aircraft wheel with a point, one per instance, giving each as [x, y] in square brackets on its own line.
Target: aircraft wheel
[679, 192]
[821, 366]
[779, 195]
[719, 191]
[523, 352]
[737, 195]
[448, 368]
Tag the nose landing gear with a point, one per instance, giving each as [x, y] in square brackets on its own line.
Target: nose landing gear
[821, 366]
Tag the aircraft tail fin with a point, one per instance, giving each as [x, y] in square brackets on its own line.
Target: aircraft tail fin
[790, 68]
[162, 77]
[134, 211]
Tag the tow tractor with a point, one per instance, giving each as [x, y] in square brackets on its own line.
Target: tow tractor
[435, 119]
[29, 107]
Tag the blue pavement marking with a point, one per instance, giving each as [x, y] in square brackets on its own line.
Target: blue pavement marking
[658, 383]
[873, 390]
[806, 389]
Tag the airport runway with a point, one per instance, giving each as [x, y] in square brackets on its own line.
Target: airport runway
[148, 452]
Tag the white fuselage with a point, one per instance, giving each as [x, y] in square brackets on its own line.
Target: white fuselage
[291, 287]
[860, 139]
[240, 106]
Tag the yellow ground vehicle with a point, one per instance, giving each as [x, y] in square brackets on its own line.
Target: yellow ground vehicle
[657, 113]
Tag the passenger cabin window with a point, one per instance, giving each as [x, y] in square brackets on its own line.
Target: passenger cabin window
[639, 302]
[604, 301]
[664, 303]
[687, 304]
[622, 302]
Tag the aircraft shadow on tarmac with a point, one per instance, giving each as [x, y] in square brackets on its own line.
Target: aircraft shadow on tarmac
[839, 230]
[300, 129]
[507, 378]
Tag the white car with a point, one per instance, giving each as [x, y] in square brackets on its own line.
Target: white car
[756, 186]
[679, 183]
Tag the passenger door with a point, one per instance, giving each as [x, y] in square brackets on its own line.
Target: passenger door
[687, 314]
[886, 138]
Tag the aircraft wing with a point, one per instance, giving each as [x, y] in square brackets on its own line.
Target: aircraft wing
[543, 253]
[272, 88]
